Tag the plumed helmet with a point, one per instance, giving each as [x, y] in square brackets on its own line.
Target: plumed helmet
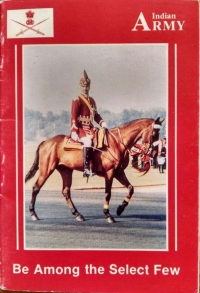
[85, 79]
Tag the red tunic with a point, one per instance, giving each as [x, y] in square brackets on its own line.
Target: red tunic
[82, 117]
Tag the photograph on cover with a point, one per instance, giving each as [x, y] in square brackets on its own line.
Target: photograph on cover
[95, 147]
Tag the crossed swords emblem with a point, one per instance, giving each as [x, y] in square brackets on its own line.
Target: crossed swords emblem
[29, 27]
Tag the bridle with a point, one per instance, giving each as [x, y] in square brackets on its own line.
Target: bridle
[140, 147]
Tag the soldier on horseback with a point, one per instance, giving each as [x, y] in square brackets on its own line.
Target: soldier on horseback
[83, 112]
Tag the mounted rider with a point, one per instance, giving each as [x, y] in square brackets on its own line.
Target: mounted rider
[83, 112]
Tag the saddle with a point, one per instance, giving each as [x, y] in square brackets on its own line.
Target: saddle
[99, 141]
[72, 144]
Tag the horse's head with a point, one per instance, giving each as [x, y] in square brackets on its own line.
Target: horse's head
[156, 129]
[151, 133]
[155, 136]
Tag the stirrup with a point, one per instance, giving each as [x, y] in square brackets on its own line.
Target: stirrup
[88, 173]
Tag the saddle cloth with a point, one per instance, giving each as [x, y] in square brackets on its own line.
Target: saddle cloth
[99, 141]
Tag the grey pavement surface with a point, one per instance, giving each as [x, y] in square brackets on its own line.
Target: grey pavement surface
[142, 226]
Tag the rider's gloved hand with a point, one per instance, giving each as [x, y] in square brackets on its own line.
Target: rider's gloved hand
[74, 135]
[104, 125]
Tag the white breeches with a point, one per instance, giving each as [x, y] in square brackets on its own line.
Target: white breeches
[87, 142]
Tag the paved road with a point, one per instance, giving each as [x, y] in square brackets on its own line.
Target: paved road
[141, 226]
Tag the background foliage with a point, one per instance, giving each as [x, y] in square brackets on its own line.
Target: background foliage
[37, 125]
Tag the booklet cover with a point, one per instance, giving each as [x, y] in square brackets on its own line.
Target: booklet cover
[99, 146]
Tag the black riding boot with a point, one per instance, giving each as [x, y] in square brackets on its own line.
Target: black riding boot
[86, 160]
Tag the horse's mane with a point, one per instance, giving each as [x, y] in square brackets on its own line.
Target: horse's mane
[126, 124]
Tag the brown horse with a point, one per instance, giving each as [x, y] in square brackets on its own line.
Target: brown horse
[109, 162]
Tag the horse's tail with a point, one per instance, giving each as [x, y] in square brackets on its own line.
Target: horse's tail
[35, 165]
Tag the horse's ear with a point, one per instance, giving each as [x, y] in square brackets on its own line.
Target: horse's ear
[157, 121]
[161, 121]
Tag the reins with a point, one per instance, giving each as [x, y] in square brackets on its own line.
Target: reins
[120, 135]
[121, 138]
[108, 148]
[121, 142]
[103, 154]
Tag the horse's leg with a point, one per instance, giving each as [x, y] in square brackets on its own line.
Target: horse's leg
[66, 175]
[36, 188]
[47, 164]
[108, 186]
[35, 191]
[121, 177]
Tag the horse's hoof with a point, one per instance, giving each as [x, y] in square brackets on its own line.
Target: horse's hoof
[108, 216]
[80, 218]
[110, 220]
[120, 210]
[34, 217]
